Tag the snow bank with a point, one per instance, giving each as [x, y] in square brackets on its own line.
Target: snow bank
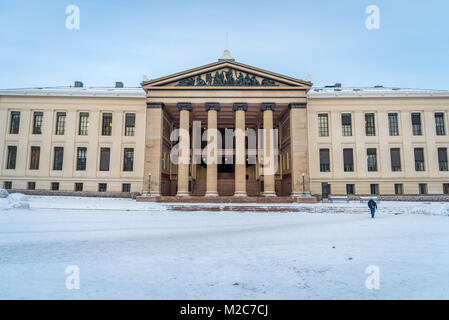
[14, 201]
[3, 193]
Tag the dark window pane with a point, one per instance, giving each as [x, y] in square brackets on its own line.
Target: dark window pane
[35, 155]
[350, 189]
[58, 158]
[323, 125]
[84, 124]
[416, 124]
[130, 124]
[439, 123]
[393, 124]
[31, 185]
[7, 185]
[107, 124]
[128, 161]
[81, 159]
[37, 122]
[398, 188]
[60, 123]
[102, 187]
[55, 186]
[324, 160]
[346, 124]
[78, 186]
[372, 159]
[445, 188]
[419, 159]
[422, 188]
[370, 126]
[15, 122]
[12, 156]
[126, 187]
[348, 160]
[442, 159]
[374, 189]
[105, 155]
[395, 154]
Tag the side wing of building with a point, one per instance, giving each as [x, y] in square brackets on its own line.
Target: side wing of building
[72, 139]
[378, 141]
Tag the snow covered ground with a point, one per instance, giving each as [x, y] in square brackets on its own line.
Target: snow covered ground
[135, 250]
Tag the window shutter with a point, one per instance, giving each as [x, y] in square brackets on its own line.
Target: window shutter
[346, 119]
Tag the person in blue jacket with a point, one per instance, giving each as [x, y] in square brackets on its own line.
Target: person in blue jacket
[373, 207]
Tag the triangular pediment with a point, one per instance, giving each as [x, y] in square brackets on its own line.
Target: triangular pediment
[225, 74]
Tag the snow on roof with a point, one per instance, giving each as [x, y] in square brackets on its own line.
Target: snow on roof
[130, 92]
[373, 92]
[314, 93]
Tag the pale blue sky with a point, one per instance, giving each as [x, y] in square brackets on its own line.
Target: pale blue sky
[122, 40]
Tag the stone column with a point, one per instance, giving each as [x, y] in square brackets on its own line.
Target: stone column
[240, 149]
[184, 149]
[299, 149]
[212, 149]
[269, 167]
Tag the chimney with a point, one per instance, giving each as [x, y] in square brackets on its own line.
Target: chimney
[78, 84]
[119, 84]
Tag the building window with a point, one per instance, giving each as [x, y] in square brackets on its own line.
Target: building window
[419, 159]
[422, 188]
[445, 188]
[371, 155]
[416, 124]
[7, 185]
[105, 156]
[107, 124]
[60, 123]
[442, 159]
[370, 125]
[55, 186]
[31, 185]
[37, 122]
[393, 124]
[346, 124]
[395, 155]
[84, 124]
[35, 155]
[130, 124]
[323, 125]
[374, 189]
[102, 187]
[78, 187]
[128, 160]
[58, 158]
[350, 189]
[324, 160]
[439, 124]
[348, 160]
[81, 159]
[11, 160]
[126, 187]
[15, 122]
[398, 188]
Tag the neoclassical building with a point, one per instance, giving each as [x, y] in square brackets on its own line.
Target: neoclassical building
[331, 140]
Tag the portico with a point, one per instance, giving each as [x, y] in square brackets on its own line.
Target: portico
[226, 129]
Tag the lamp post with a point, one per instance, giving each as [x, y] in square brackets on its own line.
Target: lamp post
[149, 185]
[303, 186]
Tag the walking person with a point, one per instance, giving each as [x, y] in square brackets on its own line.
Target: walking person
[373, 207]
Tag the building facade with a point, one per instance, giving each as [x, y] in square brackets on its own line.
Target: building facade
[335, 140]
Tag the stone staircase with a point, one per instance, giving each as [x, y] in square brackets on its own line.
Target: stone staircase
[225, 187]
